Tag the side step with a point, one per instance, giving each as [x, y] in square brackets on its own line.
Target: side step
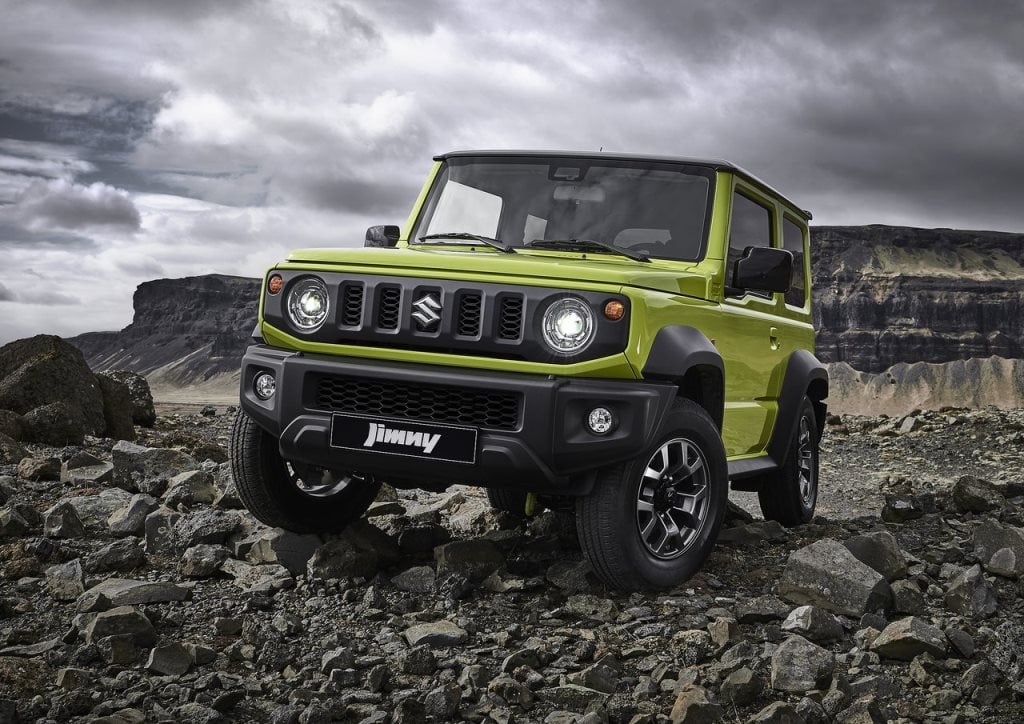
[744, 474]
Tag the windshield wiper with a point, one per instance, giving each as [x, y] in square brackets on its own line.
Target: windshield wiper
[587, 245]
[463, 236]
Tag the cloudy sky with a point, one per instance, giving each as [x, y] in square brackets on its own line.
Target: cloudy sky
[146, 138]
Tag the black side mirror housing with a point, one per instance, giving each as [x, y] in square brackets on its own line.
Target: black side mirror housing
[382, 236]
[763, 269]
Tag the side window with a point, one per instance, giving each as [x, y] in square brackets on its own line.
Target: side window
[793, 240]
[751, 226]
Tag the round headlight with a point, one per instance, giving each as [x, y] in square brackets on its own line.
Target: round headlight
[308, 304]
[568, 326]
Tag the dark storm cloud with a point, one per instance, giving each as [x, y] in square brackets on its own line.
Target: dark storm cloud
[6, 295]
[17, 236]
[67, 205]
[356, 194]
[895, 111]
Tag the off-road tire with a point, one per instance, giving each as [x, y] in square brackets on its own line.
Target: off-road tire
[608, 519]
[783, 495]
[512, 502]
[267, 486]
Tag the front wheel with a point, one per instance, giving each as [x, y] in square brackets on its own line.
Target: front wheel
[790, 495]
[299, 498]
[651, 522]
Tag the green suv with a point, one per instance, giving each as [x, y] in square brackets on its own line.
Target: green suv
[619, 336]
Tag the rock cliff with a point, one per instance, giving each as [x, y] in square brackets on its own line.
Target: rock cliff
[184, 330]
[885, 295]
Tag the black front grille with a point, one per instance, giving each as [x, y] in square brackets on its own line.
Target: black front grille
[470, 306]
[427, 403]
[510, 320]
[389, 303]
[351, 304]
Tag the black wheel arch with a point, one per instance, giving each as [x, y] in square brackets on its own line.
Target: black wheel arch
[684, 356]
[805, 376]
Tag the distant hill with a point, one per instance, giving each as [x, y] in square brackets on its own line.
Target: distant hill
[185, 332]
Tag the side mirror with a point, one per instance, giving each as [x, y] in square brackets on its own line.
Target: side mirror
[764, 269]
[382, 236]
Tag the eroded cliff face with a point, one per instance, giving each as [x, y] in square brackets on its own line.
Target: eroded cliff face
[184, 330]
[885, 295]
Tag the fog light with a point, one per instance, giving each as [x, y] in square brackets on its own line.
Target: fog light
[600, 420]
[264, 385]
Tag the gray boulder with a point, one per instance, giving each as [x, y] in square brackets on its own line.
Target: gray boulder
[291, 550]
[813, 623]
[117, 408]
[127, 592]
[54, 424]
[143, 411]
[474, 559]
[12, 424]
[11, 452]
[141, 469]
[131, 519]
[827, 574]
[799, 665]
[39, 469]
[126, 620]
[909, 637]
[970, 594]
[62, 521]
[45, 369]
[360, 550]
[205, 526]
[692, 706]
[974, 495]
[880, 551]
[436, 634]
[1000, 548]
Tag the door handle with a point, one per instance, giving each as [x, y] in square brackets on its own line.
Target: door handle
[773, 338]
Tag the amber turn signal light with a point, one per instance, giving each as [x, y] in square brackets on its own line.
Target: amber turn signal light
[275, 284]
[614, 310]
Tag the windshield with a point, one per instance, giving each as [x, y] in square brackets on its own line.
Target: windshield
[659, 209]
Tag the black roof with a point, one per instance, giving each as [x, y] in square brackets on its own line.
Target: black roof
[717, 164]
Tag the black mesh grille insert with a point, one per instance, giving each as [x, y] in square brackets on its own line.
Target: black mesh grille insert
[429, 403]
[510, 318]
[351, 304]
[468, 322]
[389, 302]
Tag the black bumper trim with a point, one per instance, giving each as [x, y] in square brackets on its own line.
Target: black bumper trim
[551, 452]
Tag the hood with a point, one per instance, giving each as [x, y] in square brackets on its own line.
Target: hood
[549, 268]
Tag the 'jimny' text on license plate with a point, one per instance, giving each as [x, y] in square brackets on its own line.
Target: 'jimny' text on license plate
[402, 437]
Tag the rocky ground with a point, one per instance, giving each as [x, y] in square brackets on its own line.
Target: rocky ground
[134, 588]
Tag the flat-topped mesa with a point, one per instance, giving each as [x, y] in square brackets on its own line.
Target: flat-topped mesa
[199, 326]
[885, 295]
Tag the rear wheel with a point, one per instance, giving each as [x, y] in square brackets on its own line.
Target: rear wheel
[651, 522]
[509, 501]
[296, 497]
[791, 494]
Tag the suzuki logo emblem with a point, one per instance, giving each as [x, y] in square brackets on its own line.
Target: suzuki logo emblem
[427, 311]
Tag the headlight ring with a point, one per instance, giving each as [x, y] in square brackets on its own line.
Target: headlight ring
[568, 326]
[308, 304]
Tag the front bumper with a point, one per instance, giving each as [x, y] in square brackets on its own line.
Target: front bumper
[546, 448]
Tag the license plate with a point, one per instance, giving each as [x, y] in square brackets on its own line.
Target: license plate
[447, 443]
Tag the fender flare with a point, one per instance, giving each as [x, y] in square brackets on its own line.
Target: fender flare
[677, 351]
[805, 375]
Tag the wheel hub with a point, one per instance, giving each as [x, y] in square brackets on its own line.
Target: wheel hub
[672, 498]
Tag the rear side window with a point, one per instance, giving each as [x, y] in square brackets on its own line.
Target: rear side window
[793, 241]
[751, 226]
